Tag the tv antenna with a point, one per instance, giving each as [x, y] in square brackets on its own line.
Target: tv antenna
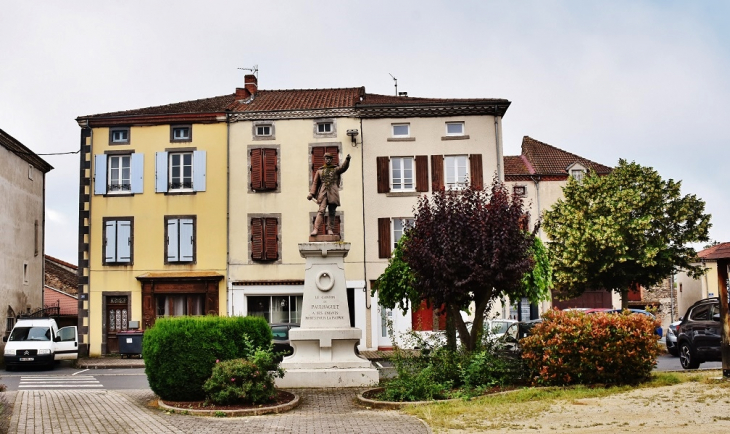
[396, 83]
[254, 70]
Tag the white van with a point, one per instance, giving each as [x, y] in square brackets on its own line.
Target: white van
[39, 341]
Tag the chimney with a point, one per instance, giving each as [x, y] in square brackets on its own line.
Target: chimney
[251, 83]
[251, 86]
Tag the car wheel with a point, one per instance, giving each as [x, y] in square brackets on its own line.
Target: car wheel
[686, 358]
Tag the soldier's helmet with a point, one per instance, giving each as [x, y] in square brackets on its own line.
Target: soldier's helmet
[327, 155]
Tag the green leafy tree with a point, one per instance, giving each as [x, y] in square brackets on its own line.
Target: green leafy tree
[466, 246]
[627, 228]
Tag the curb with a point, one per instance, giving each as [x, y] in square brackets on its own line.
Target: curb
[244, 412]
[393, 405]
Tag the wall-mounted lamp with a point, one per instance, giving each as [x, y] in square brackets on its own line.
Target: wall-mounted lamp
[353, 135]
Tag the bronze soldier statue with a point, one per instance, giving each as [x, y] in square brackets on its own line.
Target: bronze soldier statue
[325, 187]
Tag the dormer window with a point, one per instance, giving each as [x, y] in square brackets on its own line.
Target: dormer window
[577, 174]
[181, 133]
[119, 135]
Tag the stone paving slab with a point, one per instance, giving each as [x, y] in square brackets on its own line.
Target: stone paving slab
[322, 411]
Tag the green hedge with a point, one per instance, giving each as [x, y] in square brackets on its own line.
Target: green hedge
[576, 348]
[180, 352]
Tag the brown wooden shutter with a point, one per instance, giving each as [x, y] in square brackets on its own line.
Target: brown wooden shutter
[270, 177]
[437, 172]
[318, 156]
[271, 235]
[383, 166]
[384, 237]
[476, 176]
[256, 169]
[257, 239]
[421, 173]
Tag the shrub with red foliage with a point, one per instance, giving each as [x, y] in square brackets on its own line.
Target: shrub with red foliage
[577, 348]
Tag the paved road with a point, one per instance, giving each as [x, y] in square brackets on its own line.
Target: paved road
[62, 379]
[667, 362]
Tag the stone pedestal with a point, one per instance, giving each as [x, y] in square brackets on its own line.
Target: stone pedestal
[324, 344]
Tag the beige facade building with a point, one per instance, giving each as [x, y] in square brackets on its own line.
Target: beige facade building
[22, 234]
[413, 146]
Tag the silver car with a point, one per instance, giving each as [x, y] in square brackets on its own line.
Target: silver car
[671, 338]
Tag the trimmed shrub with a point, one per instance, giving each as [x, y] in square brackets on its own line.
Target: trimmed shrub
[180, 352]
[489, 368]
[575, 348]
[244, 381]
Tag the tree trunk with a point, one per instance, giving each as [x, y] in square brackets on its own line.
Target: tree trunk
[624, 298]
[450, 330]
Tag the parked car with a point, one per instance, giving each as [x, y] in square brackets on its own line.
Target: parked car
[496, 328]
[671, 339]
[280, 339]
[39, 341]
[699, 335]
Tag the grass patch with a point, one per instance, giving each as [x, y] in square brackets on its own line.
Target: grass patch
[508, 410]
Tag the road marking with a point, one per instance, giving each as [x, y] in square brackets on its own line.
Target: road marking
[58, 382]
[79, 372]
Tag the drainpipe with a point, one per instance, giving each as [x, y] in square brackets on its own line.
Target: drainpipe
[229, 285]
[368, 308]
[498, 141]
[536, 181]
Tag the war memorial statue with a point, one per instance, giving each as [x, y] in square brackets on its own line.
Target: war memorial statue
[326, 189]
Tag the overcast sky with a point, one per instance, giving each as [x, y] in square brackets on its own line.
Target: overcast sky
[644, 81]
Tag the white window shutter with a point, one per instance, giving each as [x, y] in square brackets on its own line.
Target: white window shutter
[137, 163]
[199, 170]
[124, 241]
[100, 174]
[161, 172]
[187, 231]
[110, 251]
[172, 240]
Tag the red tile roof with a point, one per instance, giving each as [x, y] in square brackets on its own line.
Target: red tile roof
[217, 104]
[375, 99]
[720, 251]
[299, 99]
[546, 160]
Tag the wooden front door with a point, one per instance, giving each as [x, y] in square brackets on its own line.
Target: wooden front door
[117, 318]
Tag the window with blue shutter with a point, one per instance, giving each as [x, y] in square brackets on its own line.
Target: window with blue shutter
[179, 239]
[118, 239]
[179, 172]
[118, 173]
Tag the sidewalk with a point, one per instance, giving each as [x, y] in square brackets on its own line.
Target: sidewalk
[325, 411]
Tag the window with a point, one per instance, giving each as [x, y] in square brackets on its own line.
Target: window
[25, 273]
[180, 239]
[36, 238]
[30, 172]
[180, 172]
[263, 130]
[118, 135]
[181, 133]
[454, 128]
[324, 127]
[276, 308]
[264, 169]
[401, 130]
[401, 174]
[118, 173]
[519, 190]
[455, 168]
[180, 305]
[399, 227]
[317, 158]
[118, 240]
[264, 238]
[577, 174]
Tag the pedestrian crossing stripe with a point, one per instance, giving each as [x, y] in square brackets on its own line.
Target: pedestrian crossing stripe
[57, 382]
